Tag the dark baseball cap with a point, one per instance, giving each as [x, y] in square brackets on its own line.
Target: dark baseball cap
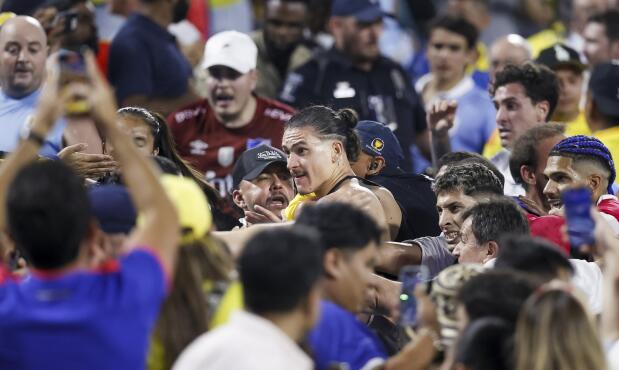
[561, 55]
[112, 207]
[604, 86]
[254, 161]
[378, 140]
[365, 11]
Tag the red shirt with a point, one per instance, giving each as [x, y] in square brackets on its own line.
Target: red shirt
[608, 204]
[549, 227]
[213, 148]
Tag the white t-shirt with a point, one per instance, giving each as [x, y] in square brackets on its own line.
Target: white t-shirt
[587, 278]
[247, 342]
[613, 356]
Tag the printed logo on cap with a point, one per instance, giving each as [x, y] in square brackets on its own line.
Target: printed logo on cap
[561, 54]
[378, 144]
[268, 155]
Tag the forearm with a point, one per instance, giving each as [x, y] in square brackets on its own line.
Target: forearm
[236, 239]
[25, 153]
[393, 256]
[610, 314]
[440, 146]
[423, 142]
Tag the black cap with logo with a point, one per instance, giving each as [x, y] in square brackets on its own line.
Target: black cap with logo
[254, 161]
[561, 56]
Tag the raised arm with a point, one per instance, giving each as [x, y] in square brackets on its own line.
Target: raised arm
[159, 226]
[440, 119]
[48, 110]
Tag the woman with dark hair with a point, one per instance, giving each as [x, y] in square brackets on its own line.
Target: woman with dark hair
[204, 290]
[320, 144]
[151, 135]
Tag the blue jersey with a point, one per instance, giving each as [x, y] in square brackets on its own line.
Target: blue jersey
[474, 122]
[14, 113]
[83, 319]
[340, 339]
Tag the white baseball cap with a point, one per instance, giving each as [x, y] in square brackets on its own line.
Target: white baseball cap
[231, 49]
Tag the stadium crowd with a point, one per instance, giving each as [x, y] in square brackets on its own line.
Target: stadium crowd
[309, 184]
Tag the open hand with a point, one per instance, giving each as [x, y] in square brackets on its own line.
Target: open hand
[441, 117]
[261, 215]
[87, 165]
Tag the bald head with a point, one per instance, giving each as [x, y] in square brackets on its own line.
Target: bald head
[510, 49]
[23, 46]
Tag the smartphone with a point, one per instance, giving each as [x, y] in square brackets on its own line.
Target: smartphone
[410, 276]
[72, 66]
[67, 19]
[580, 224]
[73, 69]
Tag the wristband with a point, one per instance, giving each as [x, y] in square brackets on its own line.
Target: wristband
[30, 135]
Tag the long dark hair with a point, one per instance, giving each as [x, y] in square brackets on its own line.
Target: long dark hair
[330, 124]
[186, 312]
[164, 142]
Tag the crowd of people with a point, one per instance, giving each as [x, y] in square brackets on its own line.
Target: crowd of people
[309, 184]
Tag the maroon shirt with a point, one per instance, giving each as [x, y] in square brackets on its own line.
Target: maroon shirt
[213, 149]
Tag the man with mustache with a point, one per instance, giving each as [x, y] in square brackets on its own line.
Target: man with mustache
[212, 133]
[261, 181]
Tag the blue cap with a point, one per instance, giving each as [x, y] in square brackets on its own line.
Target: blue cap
[365, 11]
[112, 207]
[378, 140]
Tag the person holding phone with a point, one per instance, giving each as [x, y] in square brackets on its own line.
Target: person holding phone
[47, 215]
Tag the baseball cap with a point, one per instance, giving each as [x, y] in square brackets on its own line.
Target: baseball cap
[363, 10]
[561, 55]
[252, 163]
[444, 292]
[194, 213]
[231, 49]
[112, 207]
[378, 140]
[604, 86]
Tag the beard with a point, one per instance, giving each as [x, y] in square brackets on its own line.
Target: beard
[180, 11]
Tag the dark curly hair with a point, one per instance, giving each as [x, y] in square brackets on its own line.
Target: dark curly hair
[539, 83]
[470, 178]
[454, 158]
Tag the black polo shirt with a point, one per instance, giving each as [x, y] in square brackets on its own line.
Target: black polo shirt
[384, 94]
[145, 60]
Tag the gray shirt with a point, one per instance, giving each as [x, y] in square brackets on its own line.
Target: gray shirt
[435, 254]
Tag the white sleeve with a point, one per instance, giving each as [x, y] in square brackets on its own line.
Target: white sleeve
[612, 222]
[588, 278]
[613, 356]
